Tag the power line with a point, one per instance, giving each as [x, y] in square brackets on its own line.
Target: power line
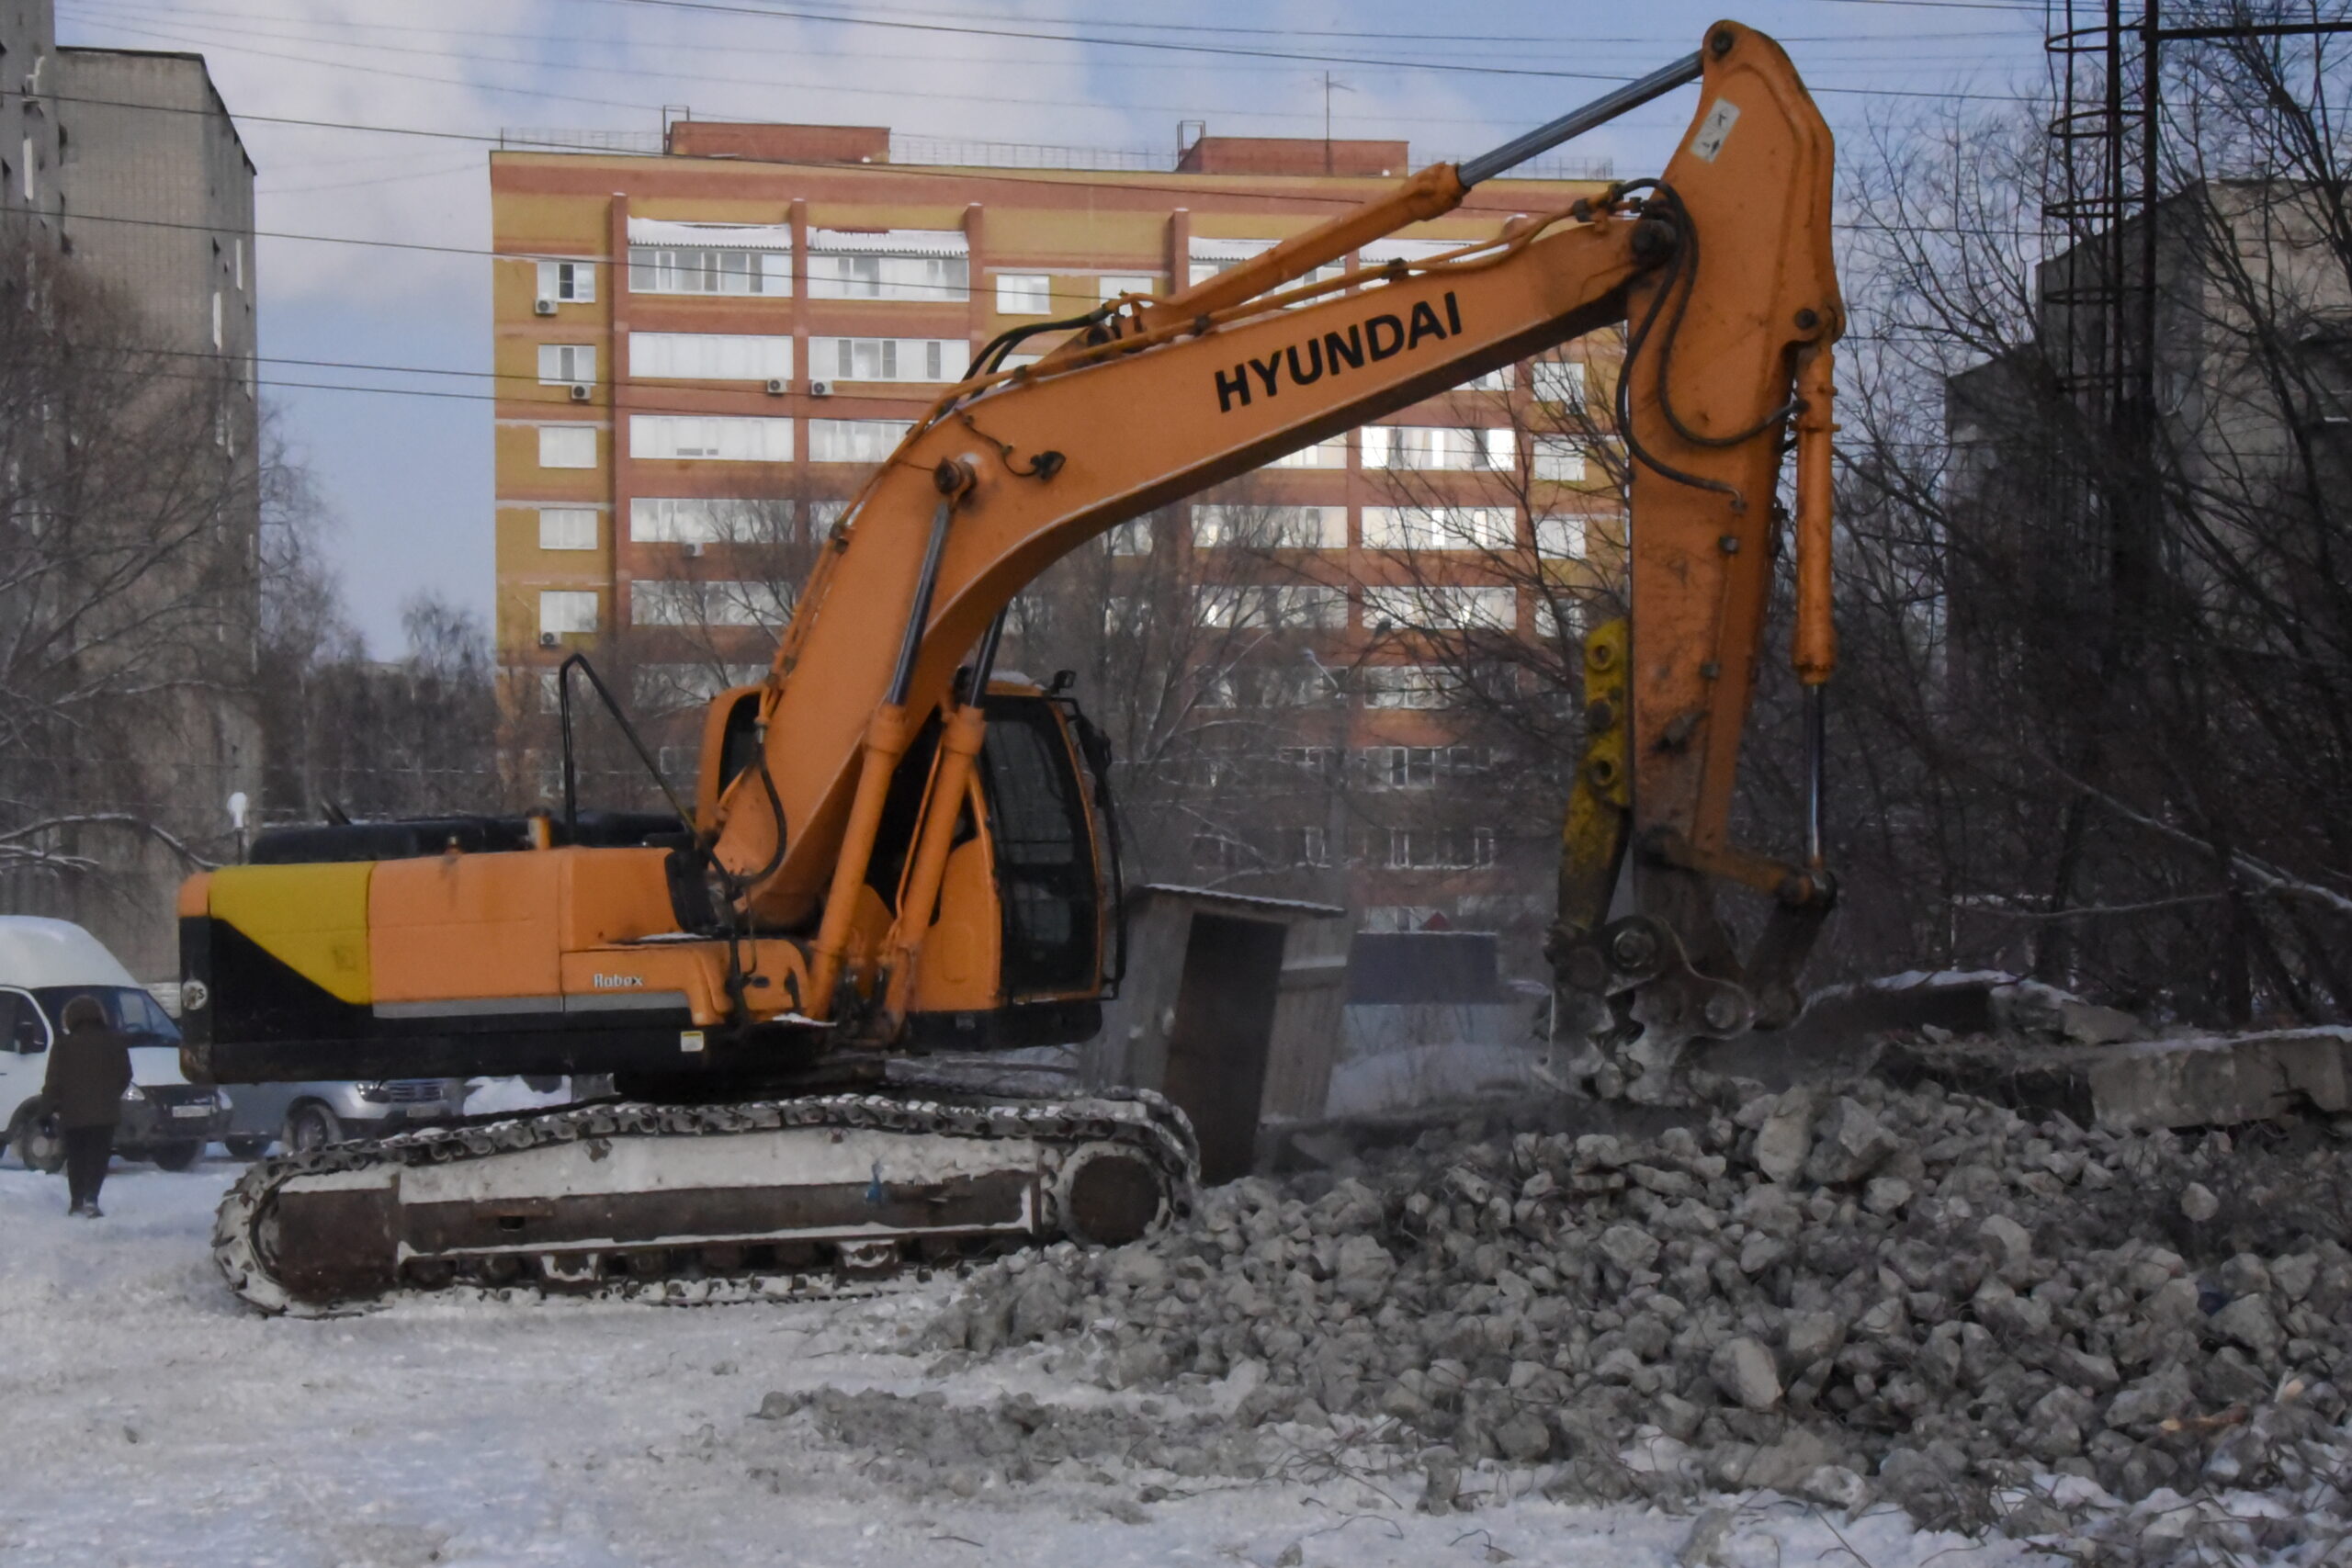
[716, 7]
[639, 72]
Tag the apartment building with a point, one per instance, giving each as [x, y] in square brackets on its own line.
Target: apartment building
[123, 167]
[704, 346]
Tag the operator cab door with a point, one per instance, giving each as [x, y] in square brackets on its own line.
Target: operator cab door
[1048, 889]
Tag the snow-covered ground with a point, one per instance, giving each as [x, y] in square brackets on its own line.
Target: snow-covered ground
[151, 1421]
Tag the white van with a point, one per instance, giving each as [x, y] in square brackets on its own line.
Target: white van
[44, 966]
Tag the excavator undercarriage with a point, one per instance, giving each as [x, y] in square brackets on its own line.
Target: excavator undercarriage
[768, 1198]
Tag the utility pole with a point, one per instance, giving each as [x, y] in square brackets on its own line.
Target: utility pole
[1331, 85]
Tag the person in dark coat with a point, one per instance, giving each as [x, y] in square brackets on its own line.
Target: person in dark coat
[88, 1069]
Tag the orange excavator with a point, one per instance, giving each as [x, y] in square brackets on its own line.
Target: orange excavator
[893, 850]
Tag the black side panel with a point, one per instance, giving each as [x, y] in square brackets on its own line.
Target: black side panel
[1009, 1028]
[254, 996]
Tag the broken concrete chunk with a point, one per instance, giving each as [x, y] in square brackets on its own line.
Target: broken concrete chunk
[2087, 1023]
[1785, 1136]
[2248, 1321]
[1849, 1144]
[1630, 1247]
[1743, 1370]
[1812, 1337]
[2196, 1202]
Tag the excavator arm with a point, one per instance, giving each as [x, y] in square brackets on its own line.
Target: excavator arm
[1721, 272]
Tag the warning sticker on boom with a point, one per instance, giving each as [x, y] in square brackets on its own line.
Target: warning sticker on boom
[1714, 131]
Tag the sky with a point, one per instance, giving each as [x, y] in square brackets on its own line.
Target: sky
[374, 281]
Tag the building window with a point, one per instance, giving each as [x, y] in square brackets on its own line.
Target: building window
[1024, 294]
[888, 358]
[854, 440]
[237, 249]
[1560, 381]
[1331, 454]
[1271, 527]
[1439, 607]
[29, 191]
[1439, 528]
[1308, 846]
[567, 447]
[916, 265]
[567, 527]
[708, 603]
[1404, 685]
[562, 363]
[566, 612]
[219, 336]
[1269, 608]
[1559, 457]
[567, 283]
[1437, 446]
[1497, 380]
[1113, 285]
[740, 440]
[1454, 849]
[708, 357]
[706, 520]
[1132, 537]
[1559, 620]
[689, 269]
[1560, 537]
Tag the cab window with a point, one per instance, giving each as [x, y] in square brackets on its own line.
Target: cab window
[23, 1031]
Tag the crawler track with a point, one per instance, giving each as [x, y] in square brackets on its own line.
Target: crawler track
[769, 1199]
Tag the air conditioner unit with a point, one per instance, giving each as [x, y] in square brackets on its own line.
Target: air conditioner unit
[580, 391]
[820, 388]
[543, 307]
[549, 640]
[694, 548]
[778, 387]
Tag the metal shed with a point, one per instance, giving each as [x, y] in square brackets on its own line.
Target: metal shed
[1230, 1007]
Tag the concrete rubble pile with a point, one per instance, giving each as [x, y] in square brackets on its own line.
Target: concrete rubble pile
[2133, 1344]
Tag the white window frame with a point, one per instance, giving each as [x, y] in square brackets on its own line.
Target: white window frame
[740, 272]
[1561, 536]
[1024, 294]
[555, 438]
[568, 282]
[731, 438]
[1441, 607]
[569, 528]
[560, 612]
[709, 356]
[1111, 284]
[697, 603]
[1560, 382]
[856, 440]
[1270, 527]
[934, 360]
[1437, 447]
[1556, 459]
[1491, 528]
[1328, 454]
[913, 266]
[567, 364]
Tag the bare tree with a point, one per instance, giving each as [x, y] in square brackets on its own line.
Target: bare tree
[2095, 619]
[128, 595]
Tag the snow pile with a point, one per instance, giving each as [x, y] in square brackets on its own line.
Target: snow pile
[2133, 1343]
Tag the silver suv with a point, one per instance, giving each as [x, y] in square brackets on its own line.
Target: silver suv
[312, 1115]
